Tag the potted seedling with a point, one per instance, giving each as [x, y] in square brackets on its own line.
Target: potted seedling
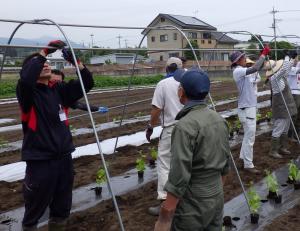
[269, 116]
[100, 178]
[238, 125]
[140, 166]
[153, 157]
[293, 172]
[258, 118]
[273, 187]
[230, 129]
[254, 203]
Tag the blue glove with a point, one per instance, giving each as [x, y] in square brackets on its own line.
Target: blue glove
[103, 109]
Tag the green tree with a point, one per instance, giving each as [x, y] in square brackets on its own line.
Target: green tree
[189, 54]
[253, 54]
[280, 45]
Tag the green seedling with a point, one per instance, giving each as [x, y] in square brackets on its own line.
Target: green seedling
[153, 153]
[238, 124]
[100, 176]
[254, 200]
[258, 116]
[294, 173]
[271, 182]
[140, 163]
[269, 115]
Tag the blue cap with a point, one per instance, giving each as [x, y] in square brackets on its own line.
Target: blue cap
[195, 82]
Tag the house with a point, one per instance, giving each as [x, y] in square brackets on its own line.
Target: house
[205, 35]
[57, 61]
[118, 58]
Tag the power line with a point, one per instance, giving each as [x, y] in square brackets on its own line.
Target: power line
[243, 19]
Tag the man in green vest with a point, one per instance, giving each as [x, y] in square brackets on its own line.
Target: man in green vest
[200, 158]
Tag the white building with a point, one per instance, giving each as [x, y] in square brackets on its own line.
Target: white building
[119, 58]
[57, 61]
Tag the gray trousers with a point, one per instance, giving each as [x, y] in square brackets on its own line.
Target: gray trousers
[280, 127]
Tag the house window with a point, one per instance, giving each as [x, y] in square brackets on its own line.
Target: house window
[202, 41]
[209, 41]
[176, 54]
[192, 35]
[164, 38]
[225, 56]
[175, 36]
[162, 19]
[206, 35]
[153, 39]
[161, 58]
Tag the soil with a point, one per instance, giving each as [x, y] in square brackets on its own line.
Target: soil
[134, 205]
[288, 221]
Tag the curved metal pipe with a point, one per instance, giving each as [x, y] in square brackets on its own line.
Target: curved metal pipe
[8, 43]
[92, 120]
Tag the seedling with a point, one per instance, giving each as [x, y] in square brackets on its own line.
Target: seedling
[254, 203]
[237, 125]
[72, 129]
[258, 118]
[153, 157]
[3, 143]
[269, 115]
[271, 182]
[293, 171]
[140, 166]
[100, 178]
[230, 128]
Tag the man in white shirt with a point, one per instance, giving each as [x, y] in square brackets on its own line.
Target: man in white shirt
[294, 84]
[247, 102]
[165, 106]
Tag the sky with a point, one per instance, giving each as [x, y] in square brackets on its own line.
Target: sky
[253, 16]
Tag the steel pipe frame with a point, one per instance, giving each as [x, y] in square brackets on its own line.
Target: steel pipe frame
[111, 27]
[89, 112]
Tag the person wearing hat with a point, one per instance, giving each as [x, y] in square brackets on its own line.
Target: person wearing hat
[294, 84]
[165, 106]
[200, 157]
[247, 101]
[277, 72]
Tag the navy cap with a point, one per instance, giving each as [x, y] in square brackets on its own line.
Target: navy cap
[235, 56]
[195, 82]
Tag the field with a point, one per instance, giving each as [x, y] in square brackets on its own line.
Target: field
[133, 202]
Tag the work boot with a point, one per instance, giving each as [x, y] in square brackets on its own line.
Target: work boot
[154, 211]
[57, 224]
[284, 145]
[275, 145]
[252, 170]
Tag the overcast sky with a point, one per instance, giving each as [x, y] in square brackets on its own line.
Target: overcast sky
[227, 15]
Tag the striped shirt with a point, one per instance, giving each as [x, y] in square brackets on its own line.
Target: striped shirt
[281, 75]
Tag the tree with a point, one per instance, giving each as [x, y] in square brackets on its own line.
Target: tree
[253, 54]
[280, 45]
[189, 54]
[253, 39]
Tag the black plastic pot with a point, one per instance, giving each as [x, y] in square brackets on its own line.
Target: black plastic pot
[141, 174]
[254, 218]
[98, 191]
[269, 120]
[227, 221]
[289, 181]
[272, 195]
[278, 199]
[152, 163]
[297, 185]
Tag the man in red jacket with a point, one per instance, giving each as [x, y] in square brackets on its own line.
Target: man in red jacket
[47, 144]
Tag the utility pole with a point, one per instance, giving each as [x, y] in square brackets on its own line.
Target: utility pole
[92, 38]
[119, 37]
[126, 43]
[274, 29]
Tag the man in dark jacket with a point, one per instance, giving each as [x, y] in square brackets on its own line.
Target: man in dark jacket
[200, 157]
[47, 143]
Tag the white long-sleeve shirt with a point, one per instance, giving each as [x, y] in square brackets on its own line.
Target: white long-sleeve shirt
[294, 79]
[280, 75]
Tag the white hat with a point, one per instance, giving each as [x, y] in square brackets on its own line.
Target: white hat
[273, 66]
[175, 60]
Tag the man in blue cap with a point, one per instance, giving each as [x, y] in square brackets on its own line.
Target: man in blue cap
[200, 157]
[247, 102]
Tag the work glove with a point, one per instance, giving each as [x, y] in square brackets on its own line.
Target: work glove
[266, 50]
[67, 54]
[102, 109]
[58, 44]
[149, 132]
